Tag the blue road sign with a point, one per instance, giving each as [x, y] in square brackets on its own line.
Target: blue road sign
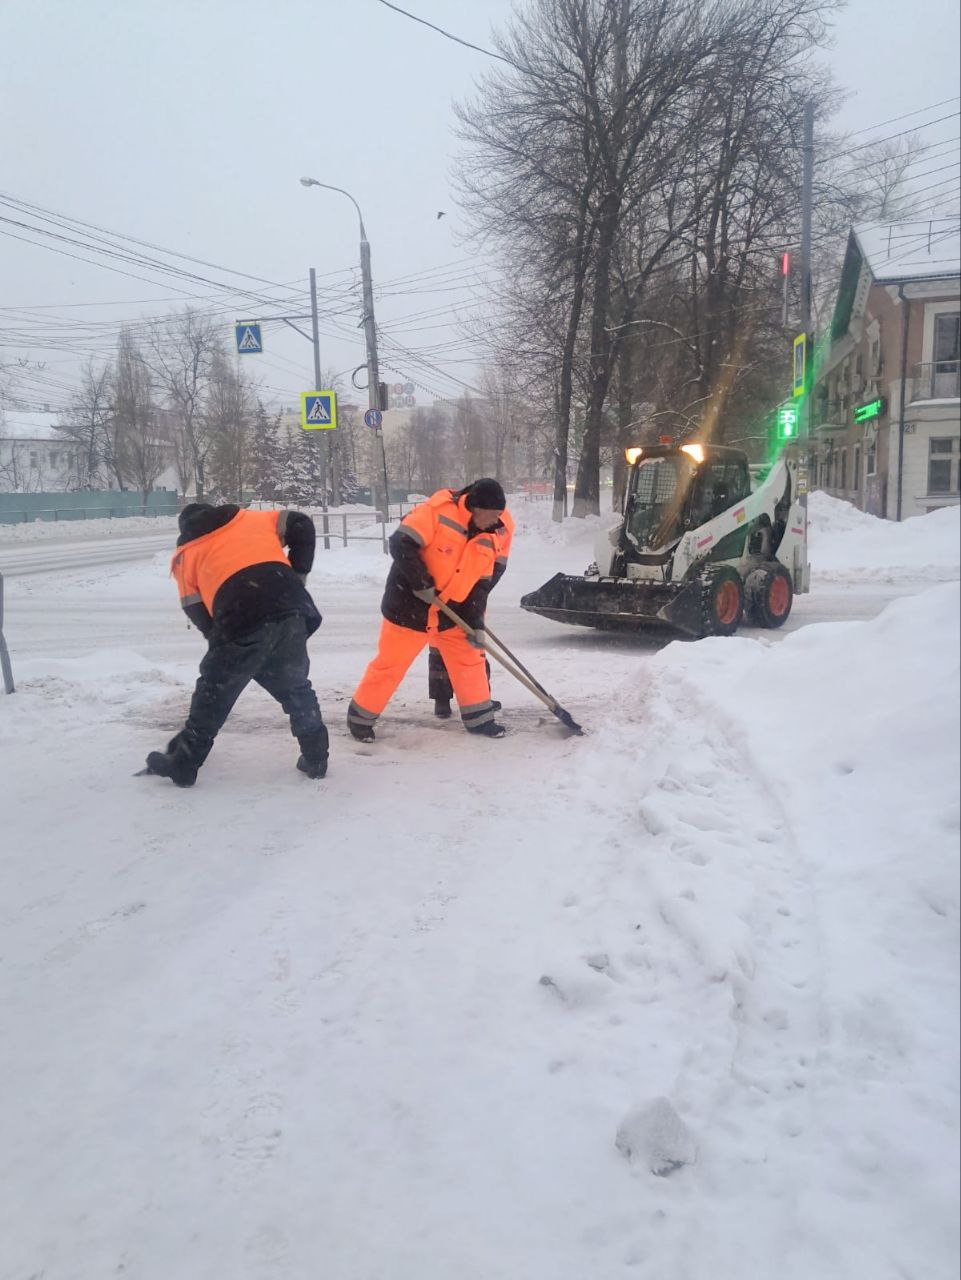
[249, 340]
[318, 410]
[374, 418]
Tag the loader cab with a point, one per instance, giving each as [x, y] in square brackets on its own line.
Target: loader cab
[673, 489]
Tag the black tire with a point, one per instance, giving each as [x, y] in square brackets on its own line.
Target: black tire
[722, 601]
[770, 594]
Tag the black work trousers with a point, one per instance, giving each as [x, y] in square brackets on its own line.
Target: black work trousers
[275, 655]
[438, 680]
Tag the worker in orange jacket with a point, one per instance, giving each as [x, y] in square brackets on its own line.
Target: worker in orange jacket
[240, 589]
[453, 547]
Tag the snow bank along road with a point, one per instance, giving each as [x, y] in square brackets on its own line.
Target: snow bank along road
[675, 1000]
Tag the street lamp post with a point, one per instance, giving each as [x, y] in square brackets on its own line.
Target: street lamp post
[370, 336]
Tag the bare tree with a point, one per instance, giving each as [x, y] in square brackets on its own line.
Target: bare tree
[86, 423]
[180, 351]
[229, 412]
[137, 448]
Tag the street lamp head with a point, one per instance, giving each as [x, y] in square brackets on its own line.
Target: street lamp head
[309, 182]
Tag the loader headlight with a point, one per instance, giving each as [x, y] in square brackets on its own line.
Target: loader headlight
[695, 451]
[632, 455]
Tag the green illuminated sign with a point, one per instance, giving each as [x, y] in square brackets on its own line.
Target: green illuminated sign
[873, 409]
[788, 416]
[799, 377]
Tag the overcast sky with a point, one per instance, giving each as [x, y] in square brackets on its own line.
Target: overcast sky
[187, 123]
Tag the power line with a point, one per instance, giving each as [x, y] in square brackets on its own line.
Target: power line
[895, 119]
[873, 142]
[449, 35]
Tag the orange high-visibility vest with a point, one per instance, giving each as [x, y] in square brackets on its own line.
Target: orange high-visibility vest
[203, 565]
[455, 561]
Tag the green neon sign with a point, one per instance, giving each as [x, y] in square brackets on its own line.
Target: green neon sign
[873, 409]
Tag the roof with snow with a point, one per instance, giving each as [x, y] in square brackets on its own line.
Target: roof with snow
[911, 250]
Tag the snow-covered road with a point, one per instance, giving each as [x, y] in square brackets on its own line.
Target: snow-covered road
[395, 1024]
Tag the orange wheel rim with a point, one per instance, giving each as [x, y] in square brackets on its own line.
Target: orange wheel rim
[778, 597]
[726, 602]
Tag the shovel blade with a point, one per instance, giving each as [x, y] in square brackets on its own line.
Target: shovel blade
[567, 720]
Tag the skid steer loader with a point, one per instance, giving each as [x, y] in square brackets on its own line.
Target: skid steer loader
[695, 550]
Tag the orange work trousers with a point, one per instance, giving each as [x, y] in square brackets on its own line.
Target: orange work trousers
[396, 650]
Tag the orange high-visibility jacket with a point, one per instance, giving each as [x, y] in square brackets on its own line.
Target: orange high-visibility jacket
[204, 564]
[455, 561]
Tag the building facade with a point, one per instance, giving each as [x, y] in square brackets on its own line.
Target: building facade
[886, 425]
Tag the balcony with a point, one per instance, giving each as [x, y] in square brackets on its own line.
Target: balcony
[938, 381]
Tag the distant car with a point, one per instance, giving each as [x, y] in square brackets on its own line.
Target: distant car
[416, 497]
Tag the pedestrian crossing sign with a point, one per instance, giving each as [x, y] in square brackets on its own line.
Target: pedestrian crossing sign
[318, 410]
[248, 336]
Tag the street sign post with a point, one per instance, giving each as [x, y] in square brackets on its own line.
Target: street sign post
[374, 418]
[249, 338]
[318, 410]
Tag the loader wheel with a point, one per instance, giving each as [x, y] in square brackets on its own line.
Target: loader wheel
[722, 601]
[770, 594]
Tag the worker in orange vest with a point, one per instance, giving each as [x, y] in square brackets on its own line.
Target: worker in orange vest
[249, 599]
[453, 547]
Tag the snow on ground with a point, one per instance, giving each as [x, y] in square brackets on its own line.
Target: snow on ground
[927, 547]
[672, 1001]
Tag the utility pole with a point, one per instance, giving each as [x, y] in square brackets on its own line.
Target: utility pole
[370, 336]
[373, 369]
[324, 448]
[807, 197]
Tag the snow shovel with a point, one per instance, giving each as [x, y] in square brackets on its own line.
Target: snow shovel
[514, 668]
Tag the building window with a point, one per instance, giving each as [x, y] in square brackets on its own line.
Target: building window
[943, 465]
[947, 342]
[34, 464]
[871, 459]
[856, 474]
[54, 458]
[843, 483]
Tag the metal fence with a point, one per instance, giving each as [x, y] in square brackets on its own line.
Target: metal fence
[938, 381]
[77, 513]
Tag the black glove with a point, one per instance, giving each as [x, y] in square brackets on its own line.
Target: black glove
[479, 639]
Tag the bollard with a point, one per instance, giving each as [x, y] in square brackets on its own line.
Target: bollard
[5, 668]
[344, 518]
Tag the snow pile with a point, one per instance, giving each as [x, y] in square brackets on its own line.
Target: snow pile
[846, 543]
[852, 730]
[88, 530]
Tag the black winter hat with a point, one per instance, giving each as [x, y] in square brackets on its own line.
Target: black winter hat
[486, 494]
[191, 514]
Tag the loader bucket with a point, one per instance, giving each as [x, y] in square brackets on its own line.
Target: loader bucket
[617, 604]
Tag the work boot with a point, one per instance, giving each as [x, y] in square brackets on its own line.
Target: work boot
[313, 757]
[442, 708]
[496, 706]
[490, 729]
[361, 732]
[174, 765]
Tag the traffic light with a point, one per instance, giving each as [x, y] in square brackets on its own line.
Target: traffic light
[788, 419]
[382, 397]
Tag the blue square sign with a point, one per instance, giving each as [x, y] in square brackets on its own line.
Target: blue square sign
[248, 336]
[318, 410]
